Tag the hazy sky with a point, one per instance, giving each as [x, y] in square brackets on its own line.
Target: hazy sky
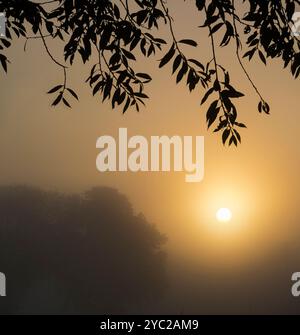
[259, 181]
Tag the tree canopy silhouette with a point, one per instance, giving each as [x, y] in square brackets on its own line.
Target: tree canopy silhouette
[118, 31]
[77, 254]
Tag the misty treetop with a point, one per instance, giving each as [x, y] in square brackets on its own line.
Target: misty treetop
[85, 253]
[119, 31]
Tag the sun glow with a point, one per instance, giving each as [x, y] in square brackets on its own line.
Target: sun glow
[224, 215]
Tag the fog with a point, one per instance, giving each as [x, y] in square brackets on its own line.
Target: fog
[202, 267]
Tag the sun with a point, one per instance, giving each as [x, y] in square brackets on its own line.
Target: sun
[224, 215]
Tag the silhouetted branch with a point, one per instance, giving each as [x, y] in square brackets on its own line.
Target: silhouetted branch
[238, 52]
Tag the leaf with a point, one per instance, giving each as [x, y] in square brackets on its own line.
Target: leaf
[116, 12]
[126, 105]
[250, 53]
[134, 43]
[290, 9]
[241, 125]
[212, 113]
[128, 54]
[207, 94]
[167, 57]
[122, 77]
[141, 95]
[221, 125]
[3, 61]
[94, 79]
[66, 102]
[49, 26]
[238, 136]
[225, 135]
[192, 79]
[73, 93]
[97, 87]
[227, 78]
[217, 86]
[232, 93]
[107, 89]
[122, 98]
[54, 89]
[176, 63]
[262, 57]
[216, 28]
[5, 42]
[116, 97]
[143, 46]
[115, 59]
[233, 140]
[105, 38]
[182, 72]
[194, 61]
[210, 20]
[144, 76]
[200, 4]
[58, 99]
[266, 108]
[188, 42]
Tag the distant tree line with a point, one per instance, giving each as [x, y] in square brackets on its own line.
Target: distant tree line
[77, 254]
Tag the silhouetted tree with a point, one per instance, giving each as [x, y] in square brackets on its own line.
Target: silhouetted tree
[72, 254]
[118, 31]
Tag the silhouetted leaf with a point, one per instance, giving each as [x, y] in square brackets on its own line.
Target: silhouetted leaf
[66, 103]
[225, 135]
[188, 42]
[196, 62]
[182, 72]
[176, 63]
[207, 94]
[167, 57]
[73, 93]
[3, 61]
[241, 125]
[212, 113]
[262, 57]
[58, 99]
[200, 4]
[144, 76]
[54, 89]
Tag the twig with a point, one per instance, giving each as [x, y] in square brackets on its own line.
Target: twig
[54, 60]
[238, 53]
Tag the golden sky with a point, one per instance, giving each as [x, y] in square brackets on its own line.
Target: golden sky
[259, 181]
